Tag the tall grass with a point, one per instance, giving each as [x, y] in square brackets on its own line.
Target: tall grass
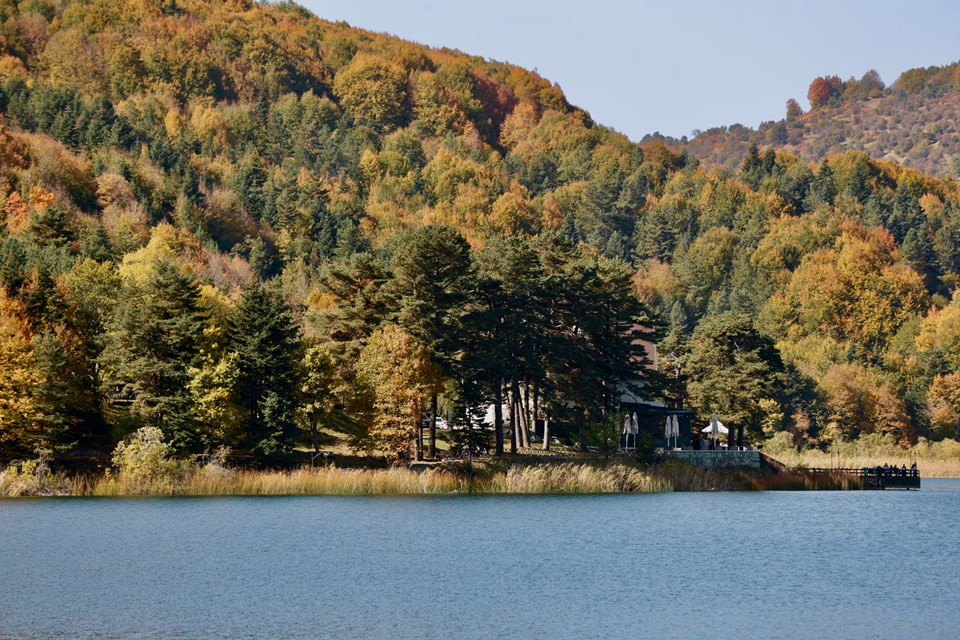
[304, 481]
[491, 478]
[575, 478]
[498, 477]
[798, 480]
[682, 476]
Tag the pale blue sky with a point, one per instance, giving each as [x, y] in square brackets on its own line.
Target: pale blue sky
[677, 65]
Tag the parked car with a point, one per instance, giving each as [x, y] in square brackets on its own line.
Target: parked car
[441, 422]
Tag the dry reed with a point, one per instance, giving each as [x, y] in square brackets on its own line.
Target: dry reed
[499, 477]
[575, 478]
[304, 481]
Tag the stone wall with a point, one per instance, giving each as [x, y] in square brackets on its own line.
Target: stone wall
[719, 459]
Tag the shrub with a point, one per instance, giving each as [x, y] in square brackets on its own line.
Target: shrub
[780, 443]
[32, 478]
[145, 457]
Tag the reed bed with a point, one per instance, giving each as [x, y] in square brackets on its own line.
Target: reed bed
[681, 476]
[575, 478]
[304, 481]
[798, 480]
[496, 477]
[518, 478]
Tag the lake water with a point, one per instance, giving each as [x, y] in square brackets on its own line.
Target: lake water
[719, 565]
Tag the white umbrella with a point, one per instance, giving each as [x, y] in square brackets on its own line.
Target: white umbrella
[668, 429]
[630, 427]
[676, 428]
[715, 429]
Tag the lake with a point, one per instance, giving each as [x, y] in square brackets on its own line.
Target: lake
[708, 565]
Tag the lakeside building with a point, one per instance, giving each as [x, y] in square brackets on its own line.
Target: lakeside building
[648, 418]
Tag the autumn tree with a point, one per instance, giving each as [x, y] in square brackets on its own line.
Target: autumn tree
[403, 377]
[823, 90]
[372, 90]
[20, 418]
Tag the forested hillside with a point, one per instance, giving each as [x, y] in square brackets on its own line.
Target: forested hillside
[912, 123]
[250, 228]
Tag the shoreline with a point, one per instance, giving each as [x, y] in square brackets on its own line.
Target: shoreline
[485, 477]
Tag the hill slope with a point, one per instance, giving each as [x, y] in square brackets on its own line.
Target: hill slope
[912, 123]
[162, 159]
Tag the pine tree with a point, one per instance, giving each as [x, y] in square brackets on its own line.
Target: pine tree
[432, 274]
[732, 368]
[262, 333]
[151, 343]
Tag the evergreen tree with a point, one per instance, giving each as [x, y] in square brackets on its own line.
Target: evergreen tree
[51, 226]
[732, 368]
[150, 345]
[432, 277]
[262, 333]
[67, 393]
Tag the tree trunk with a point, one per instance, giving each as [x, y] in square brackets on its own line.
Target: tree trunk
[528, 428]
[418, 444]
[433, 427]
[546, 433]
[513, 420]
[498, 415]
[522, 438]
[740, 435]
[315, 435]
[536, 406]
[581, 430]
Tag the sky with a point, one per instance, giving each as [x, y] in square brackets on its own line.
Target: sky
[674, 66]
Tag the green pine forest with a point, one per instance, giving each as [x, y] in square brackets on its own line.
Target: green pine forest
[257, 230]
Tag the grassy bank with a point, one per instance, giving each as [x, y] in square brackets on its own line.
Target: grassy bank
[489, 477]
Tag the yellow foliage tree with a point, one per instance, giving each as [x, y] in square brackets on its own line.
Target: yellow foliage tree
[943, 405]
[399, 371]
[372, 90]
[940, 330]
[19, 418]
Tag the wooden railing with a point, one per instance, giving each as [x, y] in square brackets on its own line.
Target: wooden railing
[869, 472]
